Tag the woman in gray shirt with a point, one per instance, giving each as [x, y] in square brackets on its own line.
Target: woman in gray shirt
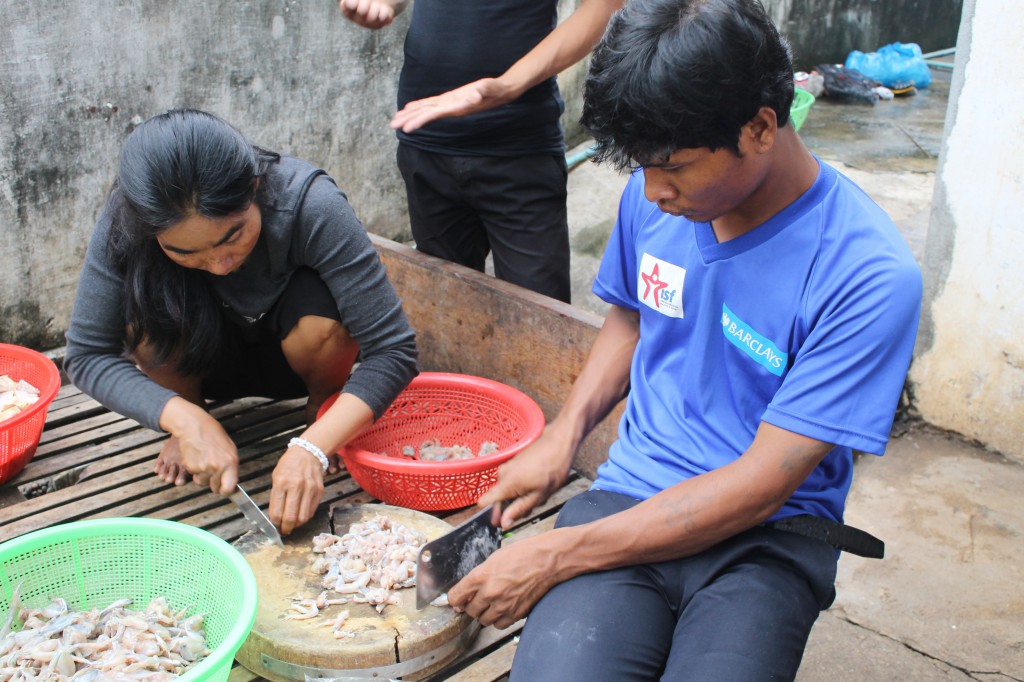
[219, 270]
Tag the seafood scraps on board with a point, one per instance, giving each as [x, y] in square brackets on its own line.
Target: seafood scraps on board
[115, 644]
[364, 565]
[433, 451]
[15, 396]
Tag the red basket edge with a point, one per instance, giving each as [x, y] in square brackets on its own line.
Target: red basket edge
[535, 426]
[46, 393]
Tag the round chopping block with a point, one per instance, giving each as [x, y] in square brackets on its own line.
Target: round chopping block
[400, 642]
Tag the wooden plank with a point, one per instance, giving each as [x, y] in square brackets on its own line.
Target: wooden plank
[495, 666]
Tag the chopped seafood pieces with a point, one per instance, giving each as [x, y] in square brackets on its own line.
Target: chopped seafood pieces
[15, 396]
[363, 566]
[432, 451]
[58, 644]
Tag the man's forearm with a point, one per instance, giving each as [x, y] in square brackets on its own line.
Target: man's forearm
[570, 42]
[694, 514]
[604, 379]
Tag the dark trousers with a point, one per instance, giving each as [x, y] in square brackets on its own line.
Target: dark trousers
[463, 207]
[739, 611]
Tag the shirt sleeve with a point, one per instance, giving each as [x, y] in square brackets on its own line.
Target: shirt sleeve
[616, 278]
[331, 240]
[94, 358]
[846, 378]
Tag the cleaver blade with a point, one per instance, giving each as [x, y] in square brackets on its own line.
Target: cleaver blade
[255, 515]
[448, 559]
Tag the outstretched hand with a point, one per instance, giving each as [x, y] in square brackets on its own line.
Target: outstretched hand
[530, 478]
[471, 98]
[371, 13]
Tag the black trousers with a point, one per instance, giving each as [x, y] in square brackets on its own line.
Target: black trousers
[250, 361]
[740, 611]
[463, 207]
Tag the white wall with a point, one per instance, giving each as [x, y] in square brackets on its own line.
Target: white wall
[968, 375]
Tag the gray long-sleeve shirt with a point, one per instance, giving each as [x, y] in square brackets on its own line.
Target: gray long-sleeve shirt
[306, 221]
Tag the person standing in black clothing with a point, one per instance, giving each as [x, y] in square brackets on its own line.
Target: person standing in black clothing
[481, 148]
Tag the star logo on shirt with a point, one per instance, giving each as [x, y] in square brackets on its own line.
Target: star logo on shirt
[653, 284]
[659, 285]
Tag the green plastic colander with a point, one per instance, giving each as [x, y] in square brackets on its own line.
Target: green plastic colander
[94, 563]
[802, 101]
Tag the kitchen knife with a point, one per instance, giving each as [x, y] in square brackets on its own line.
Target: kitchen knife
[255, 515]
[448, 559]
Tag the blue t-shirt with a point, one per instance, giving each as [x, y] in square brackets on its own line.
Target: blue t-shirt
[806, 322]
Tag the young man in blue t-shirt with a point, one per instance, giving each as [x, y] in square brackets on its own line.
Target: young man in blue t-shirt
[763, 317]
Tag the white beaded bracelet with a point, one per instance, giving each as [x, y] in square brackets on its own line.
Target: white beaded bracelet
[311, 449]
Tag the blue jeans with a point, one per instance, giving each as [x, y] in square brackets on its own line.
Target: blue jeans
[741, 610]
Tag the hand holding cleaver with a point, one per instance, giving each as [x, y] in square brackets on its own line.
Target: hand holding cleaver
[448, 559]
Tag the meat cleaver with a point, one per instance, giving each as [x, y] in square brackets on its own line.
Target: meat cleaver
[448, 559]
[255, 515]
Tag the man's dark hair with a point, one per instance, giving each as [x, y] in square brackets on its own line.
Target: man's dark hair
[683, 74]
[173, 166]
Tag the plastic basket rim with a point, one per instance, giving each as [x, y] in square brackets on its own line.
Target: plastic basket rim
[534, 418]
[225, 652]
[807, 99]
[46, 393]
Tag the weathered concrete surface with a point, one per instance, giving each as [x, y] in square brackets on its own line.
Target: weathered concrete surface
[295, 77]
[947, 601]
[969, 371]
[825, 31]
[78, 76]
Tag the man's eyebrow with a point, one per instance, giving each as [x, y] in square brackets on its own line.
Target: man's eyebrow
[227, 235]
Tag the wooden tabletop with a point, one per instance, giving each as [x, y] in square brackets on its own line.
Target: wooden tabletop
[92, 463]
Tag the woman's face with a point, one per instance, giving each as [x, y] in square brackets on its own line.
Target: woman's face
[217, 245]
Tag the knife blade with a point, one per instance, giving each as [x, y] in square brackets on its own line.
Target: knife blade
[448, 559]
[251, 511]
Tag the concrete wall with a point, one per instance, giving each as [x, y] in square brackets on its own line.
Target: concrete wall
[825, 31]
[79, 74]
[293, 76]
[968, 375]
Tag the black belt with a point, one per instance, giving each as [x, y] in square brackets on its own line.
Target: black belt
[840, 536]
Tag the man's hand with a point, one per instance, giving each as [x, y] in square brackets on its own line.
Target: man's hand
[371, 13]
[530, 478]
[297, 486]
[480, 95]
[504, 588]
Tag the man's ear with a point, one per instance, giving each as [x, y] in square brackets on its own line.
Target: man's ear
[761, 130]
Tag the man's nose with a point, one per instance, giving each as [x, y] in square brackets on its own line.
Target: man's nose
[656, 186]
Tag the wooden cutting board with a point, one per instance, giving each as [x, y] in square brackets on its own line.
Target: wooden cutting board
[401, 642]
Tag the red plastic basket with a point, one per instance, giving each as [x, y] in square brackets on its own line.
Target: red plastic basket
[19, 435]
[456, 409]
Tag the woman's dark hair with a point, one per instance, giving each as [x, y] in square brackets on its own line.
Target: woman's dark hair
[173, 166]
[683, 74]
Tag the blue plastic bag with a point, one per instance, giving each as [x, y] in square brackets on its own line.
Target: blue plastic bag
[894, 64]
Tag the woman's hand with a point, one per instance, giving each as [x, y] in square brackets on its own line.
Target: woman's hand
[205, 448]
[298, 486]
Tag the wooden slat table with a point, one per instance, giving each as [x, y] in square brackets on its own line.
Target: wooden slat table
[92, 463]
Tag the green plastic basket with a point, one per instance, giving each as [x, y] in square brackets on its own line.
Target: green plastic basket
[802, 101]
[94, 563]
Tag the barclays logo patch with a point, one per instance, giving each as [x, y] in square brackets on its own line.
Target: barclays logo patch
[760, 349]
